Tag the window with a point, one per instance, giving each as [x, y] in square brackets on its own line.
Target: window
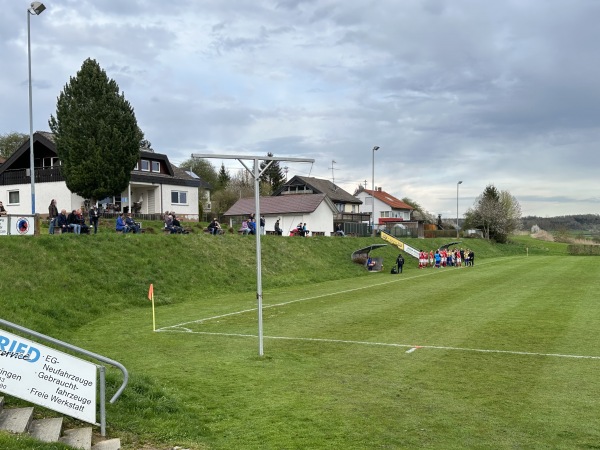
[155, 166]
[145, 165]
[179, 197]
[137, 166]
[13, 198]
[340, 207]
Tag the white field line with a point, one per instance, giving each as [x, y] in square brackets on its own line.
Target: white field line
[428, 272]
[411, 347]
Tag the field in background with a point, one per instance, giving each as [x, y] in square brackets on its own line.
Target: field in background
[502, 355]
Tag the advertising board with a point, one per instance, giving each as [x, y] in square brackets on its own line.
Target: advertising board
[47, 377]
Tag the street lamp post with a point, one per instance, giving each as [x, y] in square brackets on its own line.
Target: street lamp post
[373, 193]
[460, 182]
[36, 8]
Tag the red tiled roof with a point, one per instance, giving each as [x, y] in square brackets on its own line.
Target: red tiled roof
[284, 204]
[389, 199]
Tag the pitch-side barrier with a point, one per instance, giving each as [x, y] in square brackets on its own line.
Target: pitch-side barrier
[401, 245]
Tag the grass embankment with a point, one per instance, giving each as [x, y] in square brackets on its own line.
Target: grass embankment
[213, 391]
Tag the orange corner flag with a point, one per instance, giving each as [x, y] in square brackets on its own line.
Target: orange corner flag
[151, 292]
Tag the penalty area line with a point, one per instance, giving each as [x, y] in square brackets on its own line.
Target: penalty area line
[411, 347]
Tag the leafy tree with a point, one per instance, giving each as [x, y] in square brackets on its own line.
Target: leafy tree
[495, 212]
[203, 168]
[96, 134]
[273, 176]
[9, 142]
[419, 212]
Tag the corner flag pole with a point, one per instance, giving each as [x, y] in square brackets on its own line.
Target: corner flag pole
[151, 298]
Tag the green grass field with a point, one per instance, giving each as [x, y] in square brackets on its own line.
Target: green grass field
[502, 355]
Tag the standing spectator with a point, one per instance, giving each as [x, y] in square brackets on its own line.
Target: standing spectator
[278, 229]
[400, 262]
[62, 222]
[52, 215]
[2, 210]
[262, 225]
[94, 214]
[471, 258]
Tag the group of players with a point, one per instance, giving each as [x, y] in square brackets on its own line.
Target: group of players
[446, 258]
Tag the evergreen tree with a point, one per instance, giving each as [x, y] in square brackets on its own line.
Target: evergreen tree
[223, 178]
[274, 175]
[96, 134]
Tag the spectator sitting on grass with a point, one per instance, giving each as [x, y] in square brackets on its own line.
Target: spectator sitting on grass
[214, 227]
[176, 224]
[81, 221]
[73, 222]
[245, 228]
[62, 222]
[252, 225]
[121, 225]
[131, 225]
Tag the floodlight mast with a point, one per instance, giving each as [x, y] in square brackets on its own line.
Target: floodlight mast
[256, 174]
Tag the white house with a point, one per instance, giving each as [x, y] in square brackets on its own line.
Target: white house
[388, 209]
[316, 210]
[155, 185]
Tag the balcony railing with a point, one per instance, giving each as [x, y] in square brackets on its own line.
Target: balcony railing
[21, 176]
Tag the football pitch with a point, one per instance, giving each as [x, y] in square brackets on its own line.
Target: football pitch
[505, 354]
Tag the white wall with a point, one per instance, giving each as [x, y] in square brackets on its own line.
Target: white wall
[189, 210]
[379, 207]
[321, 220]
[44, 193]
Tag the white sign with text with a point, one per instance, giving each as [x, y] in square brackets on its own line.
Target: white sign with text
[47, 377]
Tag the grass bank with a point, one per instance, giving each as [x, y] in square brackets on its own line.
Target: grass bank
[333, 375]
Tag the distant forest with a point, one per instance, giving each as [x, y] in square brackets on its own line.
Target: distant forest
[583, 222]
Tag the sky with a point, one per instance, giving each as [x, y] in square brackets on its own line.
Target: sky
[504, 93]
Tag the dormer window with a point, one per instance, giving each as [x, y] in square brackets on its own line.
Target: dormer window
[155, 166]
[137, 166]
[145, 165]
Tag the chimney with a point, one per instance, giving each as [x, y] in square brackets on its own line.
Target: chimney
[379, 189]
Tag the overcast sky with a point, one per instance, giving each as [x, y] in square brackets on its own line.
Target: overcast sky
[502, 93]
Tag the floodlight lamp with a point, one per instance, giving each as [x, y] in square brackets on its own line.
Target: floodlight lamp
[460, 182]
[37, 8]
[375, 148]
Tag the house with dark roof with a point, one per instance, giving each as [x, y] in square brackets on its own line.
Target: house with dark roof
[318, 203]
[347, 206]
[155, 186]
